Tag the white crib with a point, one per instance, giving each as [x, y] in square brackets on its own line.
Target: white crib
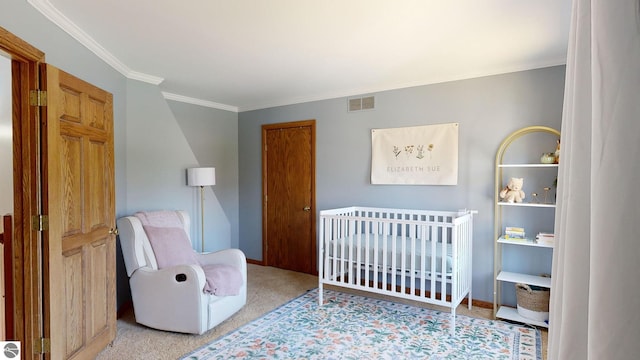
[418, 255]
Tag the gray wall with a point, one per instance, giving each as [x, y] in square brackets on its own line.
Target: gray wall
[152, 145]
[158, 154]
[488, 109]
[212, 135]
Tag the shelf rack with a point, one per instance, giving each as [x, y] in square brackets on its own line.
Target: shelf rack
[499, 310]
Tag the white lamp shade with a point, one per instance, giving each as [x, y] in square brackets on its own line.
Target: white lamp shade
[204, 176]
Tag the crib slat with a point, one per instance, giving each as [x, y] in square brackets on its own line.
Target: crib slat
[376, 228]
[385, 251]
[433, 262]
[368, 267]
[443, 266]
[337, 257]
[358, 265]
[413, 254]
[423, 260]
[333, 249]
[349, 246]
[403, 260]
[390, 270]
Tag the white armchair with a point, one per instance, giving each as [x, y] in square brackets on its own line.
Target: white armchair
[173, 298]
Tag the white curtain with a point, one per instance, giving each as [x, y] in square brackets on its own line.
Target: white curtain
[595, 295]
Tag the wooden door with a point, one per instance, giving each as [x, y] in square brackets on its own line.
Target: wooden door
[78, 197]
[289, 240]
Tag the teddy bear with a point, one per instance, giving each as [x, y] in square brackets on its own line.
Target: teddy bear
[513, 191]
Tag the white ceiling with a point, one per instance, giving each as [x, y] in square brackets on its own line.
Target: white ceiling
[249, 54]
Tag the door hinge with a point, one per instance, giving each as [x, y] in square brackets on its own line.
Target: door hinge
[40, 222]
[38, 98]
[42, 346]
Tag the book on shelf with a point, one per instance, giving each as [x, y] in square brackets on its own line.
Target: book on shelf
[545, 238]
[518, 239]
[511, 232]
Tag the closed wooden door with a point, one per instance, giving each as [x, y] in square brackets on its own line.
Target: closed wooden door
[78, 197]
[289, 196]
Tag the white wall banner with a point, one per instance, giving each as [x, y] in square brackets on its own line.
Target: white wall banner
[419, 155]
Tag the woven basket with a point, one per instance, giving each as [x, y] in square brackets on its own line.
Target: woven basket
[534, 302]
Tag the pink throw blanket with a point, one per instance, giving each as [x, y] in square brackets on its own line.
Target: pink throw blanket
[222, 280]
[163, 218]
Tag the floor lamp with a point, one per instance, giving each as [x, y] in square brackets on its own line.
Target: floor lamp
[204, 176]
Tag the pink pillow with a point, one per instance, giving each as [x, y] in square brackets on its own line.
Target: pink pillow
[171, 246]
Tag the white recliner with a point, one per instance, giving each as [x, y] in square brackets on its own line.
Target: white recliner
[172, 298]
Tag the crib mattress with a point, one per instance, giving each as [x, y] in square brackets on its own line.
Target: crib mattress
[399, 240]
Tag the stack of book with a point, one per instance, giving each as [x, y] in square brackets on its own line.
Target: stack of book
[546, 238]
[511, 232]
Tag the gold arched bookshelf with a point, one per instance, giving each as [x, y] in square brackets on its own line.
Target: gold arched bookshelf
[500, 275]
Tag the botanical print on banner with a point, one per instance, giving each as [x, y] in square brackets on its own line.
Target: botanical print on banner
[418, 155]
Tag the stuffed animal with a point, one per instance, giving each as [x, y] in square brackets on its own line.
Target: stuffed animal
[513, 191]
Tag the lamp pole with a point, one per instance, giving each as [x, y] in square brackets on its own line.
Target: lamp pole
[202, 218]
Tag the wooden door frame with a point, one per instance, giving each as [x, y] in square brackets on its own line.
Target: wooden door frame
[267, 127]
[27, 246]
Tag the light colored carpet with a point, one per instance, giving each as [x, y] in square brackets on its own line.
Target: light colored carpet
[349, 326]
[268, 288]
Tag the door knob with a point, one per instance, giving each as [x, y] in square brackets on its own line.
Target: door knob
[306, 208]
[113, 231]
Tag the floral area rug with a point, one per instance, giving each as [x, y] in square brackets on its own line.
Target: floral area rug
[356, 327]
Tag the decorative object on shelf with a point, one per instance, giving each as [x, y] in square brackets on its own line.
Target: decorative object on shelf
[533, 302]
[534, 197]
[204, 176]
[548, 158]
[546, 194]
[513, 191]
[557, 153]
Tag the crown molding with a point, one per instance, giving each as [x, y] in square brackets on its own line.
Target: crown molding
[134, 75]
[389, 87]
[63, 22]
[200, 102]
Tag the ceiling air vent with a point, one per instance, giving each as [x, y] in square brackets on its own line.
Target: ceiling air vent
[362, 103]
